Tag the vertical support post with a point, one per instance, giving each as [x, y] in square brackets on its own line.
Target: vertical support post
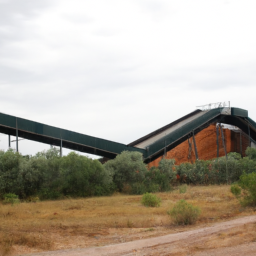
[195, 146]
[217, 139]
[165, 149]
[223, 141]
[9, 140]
[224, 146]
[241, 149]
[61, 147]
[249, 134]
[189, 149]
[17, 140]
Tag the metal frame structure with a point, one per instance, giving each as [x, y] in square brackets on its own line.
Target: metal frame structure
[178, 131]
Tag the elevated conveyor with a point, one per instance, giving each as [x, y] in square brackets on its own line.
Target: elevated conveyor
[171, 135]
[151, 146]
[51, 135]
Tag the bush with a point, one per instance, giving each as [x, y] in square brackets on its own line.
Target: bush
[167, 167]
[83, 176]
[126, 168]
[138, 188]
[33, 199]
[184, 213]
[235, 190]
[150, 200]
[251, 153]
[49, 194]
[157, 180]
[11, 199]
[248, 183]
[10, 162]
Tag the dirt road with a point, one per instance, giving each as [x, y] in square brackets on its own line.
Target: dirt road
[233, 237]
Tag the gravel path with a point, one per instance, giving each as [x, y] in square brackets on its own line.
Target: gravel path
[173, 244]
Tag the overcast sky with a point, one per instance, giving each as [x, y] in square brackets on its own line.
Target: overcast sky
[119, 69]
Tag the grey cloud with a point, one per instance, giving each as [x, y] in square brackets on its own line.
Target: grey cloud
[152, 5]
[223, 77]
[78, 19]
[106, 32]
[14, 14]
[13, 75]
[12, 11]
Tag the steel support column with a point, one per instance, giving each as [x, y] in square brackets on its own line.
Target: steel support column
[223, 141]
[60, 147]
[217, 139]
[241, 148]
[194, 140]
[165, 149]
[249, 135]
[17, 138]
[9, 141]
[189, 148]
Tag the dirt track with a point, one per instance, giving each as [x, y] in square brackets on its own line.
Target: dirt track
[194, 242]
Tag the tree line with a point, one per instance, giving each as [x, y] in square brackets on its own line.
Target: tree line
[49, 176]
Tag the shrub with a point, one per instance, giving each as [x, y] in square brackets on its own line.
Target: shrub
[235, 190]
[167, 167]
[33, 199]
[251, 153]
[11, 199]
[47, 194]
[138, 188]
[248, 183]
[157, 180]
[184, 213]
[234, 155]
[84, 176]
[126, 168]
[150, 200]
[9, 171]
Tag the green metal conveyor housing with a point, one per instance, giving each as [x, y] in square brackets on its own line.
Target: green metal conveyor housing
[189, 125]
[56, 136]
[236, 116]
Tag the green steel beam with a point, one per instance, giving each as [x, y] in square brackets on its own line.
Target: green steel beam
[60, 137]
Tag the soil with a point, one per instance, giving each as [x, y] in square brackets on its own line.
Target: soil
[234, 237]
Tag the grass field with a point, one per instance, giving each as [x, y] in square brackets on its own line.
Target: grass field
[70, 223]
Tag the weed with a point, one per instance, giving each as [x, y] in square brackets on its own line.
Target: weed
[33, 199]
[183, 189]
[149, 229]
[11, 199]
[184, 213]
[151, 200]
[129, 224]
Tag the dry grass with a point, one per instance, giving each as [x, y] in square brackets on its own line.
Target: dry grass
[233, 237]
[31, 227]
